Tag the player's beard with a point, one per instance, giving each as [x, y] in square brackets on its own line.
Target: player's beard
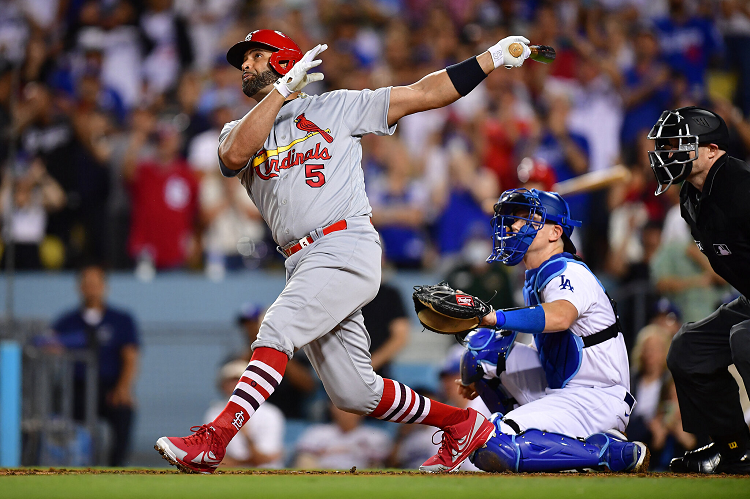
[253, 85]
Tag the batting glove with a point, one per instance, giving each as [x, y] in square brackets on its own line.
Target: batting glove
[501, 56]
[297, 77]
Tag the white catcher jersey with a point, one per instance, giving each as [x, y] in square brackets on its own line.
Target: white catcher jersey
[605, 364]
[308, 174]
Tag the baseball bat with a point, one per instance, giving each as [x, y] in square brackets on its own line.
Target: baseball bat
[540, 53]
[592, 181]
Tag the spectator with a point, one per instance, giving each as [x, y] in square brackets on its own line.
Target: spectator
[688, 43]
[260, 442]
[388, 326]
[35, 194]
[734, 24]
[682, 274]
[463, 198]
[112, 335]
[649, 362]
[668, 439]
[164, 195]
[399, 203]
[234, 232]
[343, 444]
[646, 90]
[667, 315]
[294, 392]
[565, 151]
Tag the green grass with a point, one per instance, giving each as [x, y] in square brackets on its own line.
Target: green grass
[113, 486]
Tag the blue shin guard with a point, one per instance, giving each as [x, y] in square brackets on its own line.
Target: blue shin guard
[536, 450]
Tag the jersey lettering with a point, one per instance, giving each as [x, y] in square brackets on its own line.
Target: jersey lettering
[269, 167]
[565, 283]
[314, 177]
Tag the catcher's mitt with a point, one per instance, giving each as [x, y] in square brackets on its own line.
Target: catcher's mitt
[445, 310]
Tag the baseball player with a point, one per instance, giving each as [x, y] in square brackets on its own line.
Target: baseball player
[571, 386]
[690, 147]
[299, 158]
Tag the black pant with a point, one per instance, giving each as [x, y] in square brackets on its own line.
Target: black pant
[119, 418]
[698, 359]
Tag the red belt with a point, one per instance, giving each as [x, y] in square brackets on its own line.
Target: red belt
[308, 240]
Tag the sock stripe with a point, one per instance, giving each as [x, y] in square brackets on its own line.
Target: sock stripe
[255, 392]
[242, 403]
[409, 409]
[259, 383]
[401, 392]
[270, 379]
[425, 411]
[419, 410]
[243, 395]
[408, 403]
[275, 373]
[396, 397]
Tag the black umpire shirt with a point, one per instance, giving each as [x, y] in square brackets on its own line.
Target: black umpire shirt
[719, 219]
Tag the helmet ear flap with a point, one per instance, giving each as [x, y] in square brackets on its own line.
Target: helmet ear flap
[283, 60]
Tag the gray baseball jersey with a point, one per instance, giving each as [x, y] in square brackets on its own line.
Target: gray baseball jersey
[307, 176]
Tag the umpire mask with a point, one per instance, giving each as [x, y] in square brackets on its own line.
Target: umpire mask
[677, 135]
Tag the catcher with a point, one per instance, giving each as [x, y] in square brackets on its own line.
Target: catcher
[563, 402]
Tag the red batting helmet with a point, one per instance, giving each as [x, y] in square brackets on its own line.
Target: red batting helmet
[286, 53]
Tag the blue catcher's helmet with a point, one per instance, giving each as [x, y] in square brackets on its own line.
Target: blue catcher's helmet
[523, 204]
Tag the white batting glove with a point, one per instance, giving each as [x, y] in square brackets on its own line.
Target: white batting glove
[297, 77]
[501, 56]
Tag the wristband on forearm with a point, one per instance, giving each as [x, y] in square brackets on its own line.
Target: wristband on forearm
[466, 75]
[524, 320]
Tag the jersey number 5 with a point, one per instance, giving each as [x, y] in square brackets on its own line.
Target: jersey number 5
[314, 177]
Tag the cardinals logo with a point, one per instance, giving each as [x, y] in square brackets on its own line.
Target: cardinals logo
[308, 126]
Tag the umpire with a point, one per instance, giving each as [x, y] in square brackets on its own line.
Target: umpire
[691, 146]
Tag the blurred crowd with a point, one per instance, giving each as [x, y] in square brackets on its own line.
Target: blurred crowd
[110, 112]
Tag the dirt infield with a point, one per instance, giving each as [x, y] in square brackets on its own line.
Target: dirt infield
[353, 471]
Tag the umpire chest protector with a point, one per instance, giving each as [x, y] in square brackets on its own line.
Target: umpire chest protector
[561, 353]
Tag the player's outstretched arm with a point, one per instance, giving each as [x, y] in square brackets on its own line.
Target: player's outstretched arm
[443, 87]
[550, 317]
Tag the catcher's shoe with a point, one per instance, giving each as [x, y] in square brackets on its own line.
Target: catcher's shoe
[709, 460]
[200, 452]
[459, 441]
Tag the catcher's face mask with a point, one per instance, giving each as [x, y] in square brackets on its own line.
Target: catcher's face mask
[511, 240]
[676, 149]
[509, 244]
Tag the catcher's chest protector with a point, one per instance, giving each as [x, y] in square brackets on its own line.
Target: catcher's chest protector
[561, 353]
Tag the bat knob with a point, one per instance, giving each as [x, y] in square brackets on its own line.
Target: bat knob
[515, 49]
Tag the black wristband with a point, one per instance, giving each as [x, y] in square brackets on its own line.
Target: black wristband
[466, 75]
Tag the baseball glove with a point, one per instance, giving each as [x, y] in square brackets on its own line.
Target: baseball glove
[445, 310]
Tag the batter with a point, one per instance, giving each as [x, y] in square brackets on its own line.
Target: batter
[299, 158]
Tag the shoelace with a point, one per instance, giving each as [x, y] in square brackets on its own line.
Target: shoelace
[205, 433]
[447, 442]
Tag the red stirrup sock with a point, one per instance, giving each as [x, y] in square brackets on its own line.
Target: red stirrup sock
[260, 379]
[401, 404]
